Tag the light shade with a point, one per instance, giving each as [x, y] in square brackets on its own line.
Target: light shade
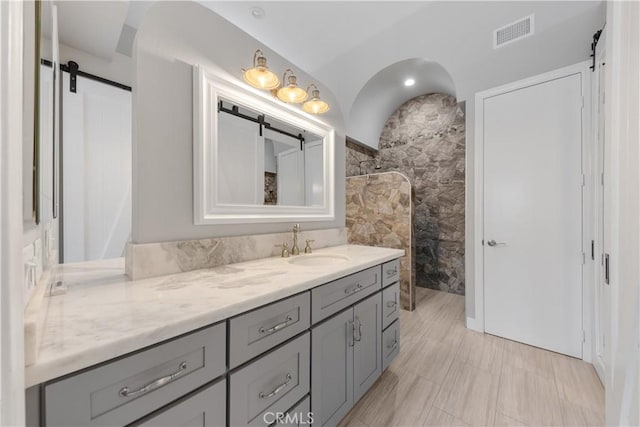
[315, 105]
[291, 93]
[259, 76]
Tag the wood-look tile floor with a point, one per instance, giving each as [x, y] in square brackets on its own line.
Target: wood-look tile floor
[447, 375]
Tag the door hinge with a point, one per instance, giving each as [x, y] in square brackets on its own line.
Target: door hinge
[584, 258]
[584, 336]
[584, 180]
[593, 250]
[602, 179]
[604, 341]
[582, 103]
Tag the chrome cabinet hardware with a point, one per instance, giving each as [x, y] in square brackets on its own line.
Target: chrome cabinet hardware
[351, 333]
[392, 345]
[391, 304]
[353, 289]
[125, 392]
[277, 327]
[359, 329]
[277, 389]
[392, 272]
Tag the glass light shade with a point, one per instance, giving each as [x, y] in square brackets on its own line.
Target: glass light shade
[315, 105]
[291, 93]
[261, 78]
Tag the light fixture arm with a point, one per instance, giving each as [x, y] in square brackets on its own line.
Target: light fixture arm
[255, 56]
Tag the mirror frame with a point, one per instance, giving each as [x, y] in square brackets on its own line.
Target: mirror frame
[210, 85]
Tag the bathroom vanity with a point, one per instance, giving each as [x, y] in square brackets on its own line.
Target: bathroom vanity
[241, 344]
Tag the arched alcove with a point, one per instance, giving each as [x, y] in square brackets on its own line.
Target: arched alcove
[386, 91]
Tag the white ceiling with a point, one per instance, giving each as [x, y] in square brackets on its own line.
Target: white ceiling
[312, 34]
[92, 26]
[345, 44]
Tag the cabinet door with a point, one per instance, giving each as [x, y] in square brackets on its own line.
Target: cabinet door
[332, 369]
[207, 408]
[367, 350]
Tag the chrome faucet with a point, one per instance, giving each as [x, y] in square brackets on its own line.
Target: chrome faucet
[294, 249]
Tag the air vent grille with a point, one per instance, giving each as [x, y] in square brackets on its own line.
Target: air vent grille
[513, 32]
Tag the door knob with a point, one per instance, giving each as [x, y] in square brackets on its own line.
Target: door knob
[493, 243]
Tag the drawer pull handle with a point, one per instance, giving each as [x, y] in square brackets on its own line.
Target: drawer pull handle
[277, 327]
[393, 345]
[354, 289]
[276, 390]
[359, 329]
[125, 392]
[392, 272]
[391, 304]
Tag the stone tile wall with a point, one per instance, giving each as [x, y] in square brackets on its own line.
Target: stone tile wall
[355, 154]
[425, 140]
[379, 213]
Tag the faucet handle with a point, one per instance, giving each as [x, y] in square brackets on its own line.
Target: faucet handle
[285, 250]
[296, 228]
[307, 249]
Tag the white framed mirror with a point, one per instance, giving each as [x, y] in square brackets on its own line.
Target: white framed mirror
[257, 159]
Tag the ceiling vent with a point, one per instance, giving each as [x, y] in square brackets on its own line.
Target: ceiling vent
[515, 31]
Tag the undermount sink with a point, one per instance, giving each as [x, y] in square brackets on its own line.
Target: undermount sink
[319, 259]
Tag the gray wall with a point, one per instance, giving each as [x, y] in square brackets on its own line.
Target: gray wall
[172, 37]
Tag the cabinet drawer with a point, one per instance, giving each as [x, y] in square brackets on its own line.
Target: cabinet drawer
[334, 296]
[255, 332]
[390, 344]
[125, 390]
[273, 383]
[299, 415]
[390, 272]
[206, 408]
[390, 304]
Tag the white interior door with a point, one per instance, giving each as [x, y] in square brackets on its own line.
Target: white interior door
[602, 319]
[314, 173]
[533, 215]
[96, 170]
[239, 143]
[291, 177]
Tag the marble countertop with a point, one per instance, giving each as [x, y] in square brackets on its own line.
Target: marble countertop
[104, 315]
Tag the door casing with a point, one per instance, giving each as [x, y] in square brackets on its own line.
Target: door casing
[587, 207]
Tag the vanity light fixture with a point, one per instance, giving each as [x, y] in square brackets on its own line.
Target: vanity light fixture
[259, 76]
[315, 105]
[291, 93]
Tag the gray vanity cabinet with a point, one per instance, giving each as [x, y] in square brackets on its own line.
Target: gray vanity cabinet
[205, 408]
[332, 369]
[367, 358]
[346, 359]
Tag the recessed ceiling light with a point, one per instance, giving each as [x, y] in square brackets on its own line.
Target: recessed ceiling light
[258, 12]
[409, 82]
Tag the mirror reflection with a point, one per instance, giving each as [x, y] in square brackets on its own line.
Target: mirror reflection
[266, 161]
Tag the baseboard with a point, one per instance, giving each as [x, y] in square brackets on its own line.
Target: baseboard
[474, 324]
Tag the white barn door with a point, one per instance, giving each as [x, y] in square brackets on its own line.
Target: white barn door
[96, 170]
[533, 214]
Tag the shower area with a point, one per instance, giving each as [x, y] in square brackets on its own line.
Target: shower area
[409, 194]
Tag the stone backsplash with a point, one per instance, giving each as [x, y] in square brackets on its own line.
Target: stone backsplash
[379, 214]
[159, 259]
